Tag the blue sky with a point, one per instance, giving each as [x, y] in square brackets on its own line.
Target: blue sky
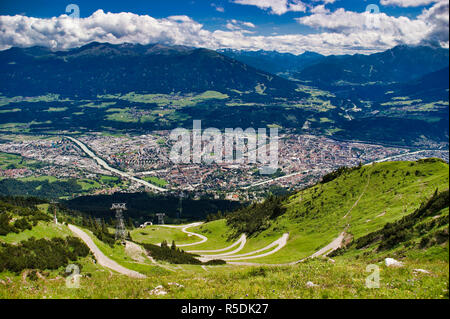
[240, 24]
[203, 11]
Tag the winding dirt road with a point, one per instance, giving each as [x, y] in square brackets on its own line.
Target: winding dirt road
[230, 257]
[278, 244]
[242, 241]
[325, 251]
[183, 229]
[101, 258]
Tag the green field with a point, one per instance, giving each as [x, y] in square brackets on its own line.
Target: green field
[156, 234]
[155, 181]
[42, 230]
[13, 161]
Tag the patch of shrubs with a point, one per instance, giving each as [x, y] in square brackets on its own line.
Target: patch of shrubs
[41, 254]
[22, 224]
[257, 272]
[436, 238]
[175, 255]
[5, 226]
[339, 172]
[22, 201]
[215, 262]
[431, 160]
[23, 208]
[256, 217]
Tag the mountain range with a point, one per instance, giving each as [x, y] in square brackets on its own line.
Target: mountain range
[399, 64]
[414, 71]
[398, 96]
[101, 68]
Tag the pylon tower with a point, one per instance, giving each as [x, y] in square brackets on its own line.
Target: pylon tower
[121, 232]
[160, 218]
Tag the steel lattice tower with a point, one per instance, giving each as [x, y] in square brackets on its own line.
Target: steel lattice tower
[160, 218]
[121, 233]
[53, 208]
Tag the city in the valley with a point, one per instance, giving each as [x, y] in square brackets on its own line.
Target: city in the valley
[142, 163]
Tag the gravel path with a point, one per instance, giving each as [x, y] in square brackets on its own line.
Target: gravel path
[183, 229]
[325, 251]
[242, 241]
[278, 244]
[101, 258]
[335, 244]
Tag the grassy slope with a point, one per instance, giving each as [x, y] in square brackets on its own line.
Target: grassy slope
[423, 229]
[393, 189]
[217, 233]
[156, 234]
[42, 230]
[315, 216]
[344, 279]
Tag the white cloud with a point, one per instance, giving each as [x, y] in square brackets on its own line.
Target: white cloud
[320, 9]
[407, 3]
[218, 8]
[430, 26]
[249, 24]
[340, 32]
[347, 22]
[239, 25]
[278, 7]
[438, 18]
[64, 32]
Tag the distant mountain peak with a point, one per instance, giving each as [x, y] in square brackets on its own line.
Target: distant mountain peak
[99, 68]
[401, 63]
[273, 61]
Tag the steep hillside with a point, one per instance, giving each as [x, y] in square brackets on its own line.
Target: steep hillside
[426, 227]
[353, 203]
[430, 86]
